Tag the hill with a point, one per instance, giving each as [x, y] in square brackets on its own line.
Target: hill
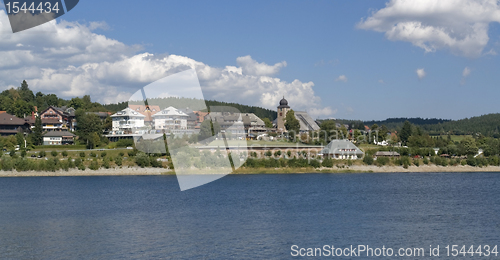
[197, 104]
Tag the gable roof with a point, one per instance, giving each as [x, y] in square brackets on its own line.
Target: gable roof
[59, 134]
[127, 112]
[341, 146]
[8, 119]
[171, 111]
[306, 122]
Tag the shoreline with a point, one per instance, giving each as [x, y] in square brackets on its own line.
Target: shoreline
[137, 171]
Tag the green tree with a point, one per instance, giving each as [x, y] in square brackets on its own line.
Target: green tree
[37, 137]
[89, 128]
[20, 139]
[292, 125]
[328, 131]
[268, 122]
[208, 129]
[468, 146]
[405, 132]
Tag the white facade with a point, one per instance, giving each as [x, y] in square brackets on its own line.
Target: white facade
[170, 118]
[127, 120]
[52, 140]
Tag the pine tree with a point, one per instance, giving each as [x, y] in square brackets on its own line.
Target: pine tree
[37, 131]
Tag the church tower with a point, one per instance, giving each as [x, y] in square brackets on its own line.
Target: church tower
[282, 110]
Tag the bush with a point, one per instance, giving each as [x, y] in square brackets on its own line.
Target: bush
[425, 161]
[82, 154]
[12, 153]
[125, 143]
[327, 163]
[53, 153]
[132, 153]
[349, 162]
[277, 153]
[81, 167]
[22, 165]
[94, 166]
[118, 160]
[42, 153]
[155, 163]
[64, 153]
[382, 161]
[92, 154]
[71, 164]
[105, 164]
[315, 163]
[121, 154]
[103, 154]
[7, 164]
[471, 161]
[52, 165]
[23, 153]
[368, 159]
[416, 162]
[142, 160]
[268, 153]
[78, 162]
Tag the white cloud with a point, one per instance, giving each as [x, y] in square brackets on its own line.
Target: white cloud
[341, 78]
[381, 81]
[322, 112]
[458, 25]
[251, 67]
[420, 73]
[466, 72]
[69, 59]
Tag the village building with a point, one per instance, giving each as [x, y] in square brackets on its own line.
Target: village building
[307, 123]
[238, 125]
[170, 118]
[148, 111]
[58, 119]
[386, 154]
[127, 121]
[341, 149]
[58, 138]
[11, 125]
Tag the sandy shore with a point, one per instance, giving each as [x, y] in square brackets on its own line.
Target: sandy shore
[160, 171]
[87, 172]
[423, 168]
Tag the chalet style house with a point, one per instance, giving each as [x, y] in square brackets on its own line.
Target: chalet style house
[58, 119]
[11, 125]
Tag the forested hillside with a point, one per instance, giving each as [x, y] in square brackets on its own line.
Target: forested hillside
[196, 104]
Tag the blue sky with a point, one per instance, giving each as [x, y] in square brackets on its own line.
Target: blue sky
[340, 59]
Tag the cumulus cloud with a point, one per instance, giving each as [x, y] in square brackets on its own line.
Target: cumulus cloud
[341, 78]
[465, 73]
[458, 25]
[251, 67]
[420, 73]
[70, 59]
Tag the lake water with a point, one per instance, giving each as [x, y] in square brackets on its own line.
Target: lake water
[244, 217]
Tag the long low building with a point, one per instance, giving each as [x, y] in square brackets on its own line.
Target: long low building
[341, 149]
[58, 138]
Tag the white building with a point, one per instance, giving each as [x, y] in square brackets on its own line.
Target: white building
[127, 120]
[170, 118]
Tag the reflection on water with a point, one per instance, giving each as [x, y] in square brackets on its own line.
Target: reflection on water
[242, 217]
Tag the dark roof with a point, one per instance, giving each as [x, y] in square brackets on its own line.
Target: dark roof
[386, 153]
[8, 119]
[283, 103]
[58, 134]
